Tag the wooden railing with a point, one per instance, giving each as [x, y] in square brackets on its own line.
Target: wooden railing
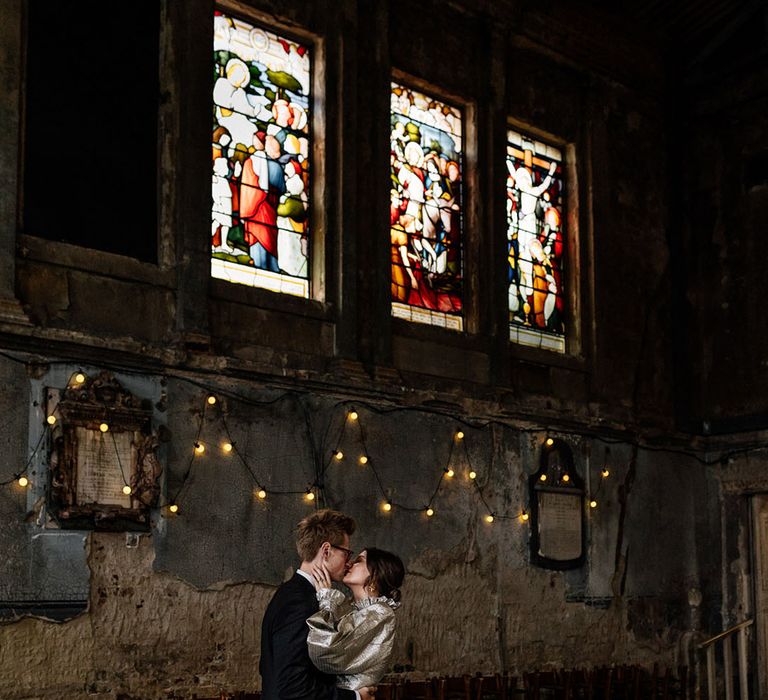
[726, 638]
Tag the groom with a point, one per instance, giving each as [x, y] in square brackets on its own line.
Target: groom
[286, 670]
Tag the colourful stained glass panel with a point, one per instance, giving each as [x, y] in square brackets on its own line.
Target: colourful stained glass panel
[260, 215]
[426, 157]
[535, 242]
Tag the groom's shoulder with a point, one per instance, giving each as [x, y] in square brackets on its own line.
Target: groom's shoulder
[296, 584]
[292, 602]
[295, 589]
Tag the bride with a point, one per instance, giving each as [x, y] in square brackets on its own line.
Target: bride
[354, 639]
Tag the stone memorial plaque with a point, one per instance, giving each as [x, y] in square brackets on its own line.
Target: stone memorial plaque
[560, 536]
[102, 445]
[101, 460]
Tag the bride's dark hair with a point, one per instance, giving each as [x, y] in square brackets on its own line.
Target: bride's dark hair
[387, 572]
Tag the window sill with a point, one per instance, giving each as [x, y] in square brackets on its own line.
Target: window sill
[271, 301]
[549, 358]
[91, 260]
[437, 334]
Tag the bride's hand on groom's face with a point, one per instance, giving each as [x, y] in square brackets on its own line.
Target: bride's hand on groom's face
[321, 576]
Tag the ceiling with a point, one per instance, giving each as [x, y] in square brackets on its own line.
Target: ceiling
[696, 30]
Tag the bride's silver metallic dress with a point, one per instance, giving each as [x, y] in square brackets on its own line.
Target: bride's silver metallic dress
[354, 641]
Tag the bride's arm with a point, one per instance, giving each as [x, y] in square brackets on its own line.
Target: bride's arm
[344, 644]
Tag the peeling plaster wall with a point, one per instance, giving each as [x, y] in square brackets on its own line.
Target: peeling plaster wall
[181, 613]
[143, 634]
[149, 634]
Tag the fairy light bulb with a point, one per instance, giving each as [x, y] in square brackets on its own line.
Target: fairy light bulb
[199, 448]
[449, 473]
[386, 507]
[606, 473]
[543, 477]
[211, 400]
[524, 516]
[104, 427]
[127, 490]
[50, 419]
[459, 435]
[227, 447]
[472, 474]
[430, 512]
[23, 481]
[339, 455]
[353, 415]
[593, 504]
[489, 518]
[566, 478]
[310, 496]
[550, 442]
[363, 459]
[173, 508]
[79, 378]
[261, 493]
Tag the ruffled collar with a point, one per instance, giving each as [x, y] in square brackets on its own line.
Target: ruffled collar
[379, 600]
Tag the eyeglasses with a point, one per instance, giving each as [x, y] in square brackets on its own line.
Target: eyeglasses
[348, 552]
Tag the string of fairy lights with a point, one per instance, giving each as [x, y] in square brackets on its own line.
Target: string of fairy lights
[352, 420]
[336, 455]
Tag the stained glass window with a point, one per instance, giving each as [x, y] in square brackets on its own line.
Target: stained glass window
[426, 154]
[260, 216]
[535, 242]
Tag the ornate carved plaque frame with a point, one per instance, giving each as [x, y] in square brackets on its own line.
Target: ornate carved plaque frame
[556, 494]
[102, 444]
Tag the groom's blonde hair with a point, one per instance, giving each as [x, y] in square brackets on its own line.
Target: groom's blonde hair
[322, 526]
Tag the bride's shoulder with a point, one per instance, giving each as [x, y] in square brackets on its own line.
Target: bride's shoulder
[381, 605]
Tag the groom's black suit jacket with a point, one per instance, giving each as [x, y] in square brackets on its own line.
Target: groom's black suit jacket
[286, 670]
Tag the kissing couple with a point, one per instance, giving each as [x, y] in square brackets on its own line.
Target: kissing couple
[316, 644]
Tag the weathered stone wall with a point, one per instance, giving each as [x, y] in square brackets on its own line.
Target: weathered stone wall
[142, 635]
[150, 635]
[471, 601]
[180, 613]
